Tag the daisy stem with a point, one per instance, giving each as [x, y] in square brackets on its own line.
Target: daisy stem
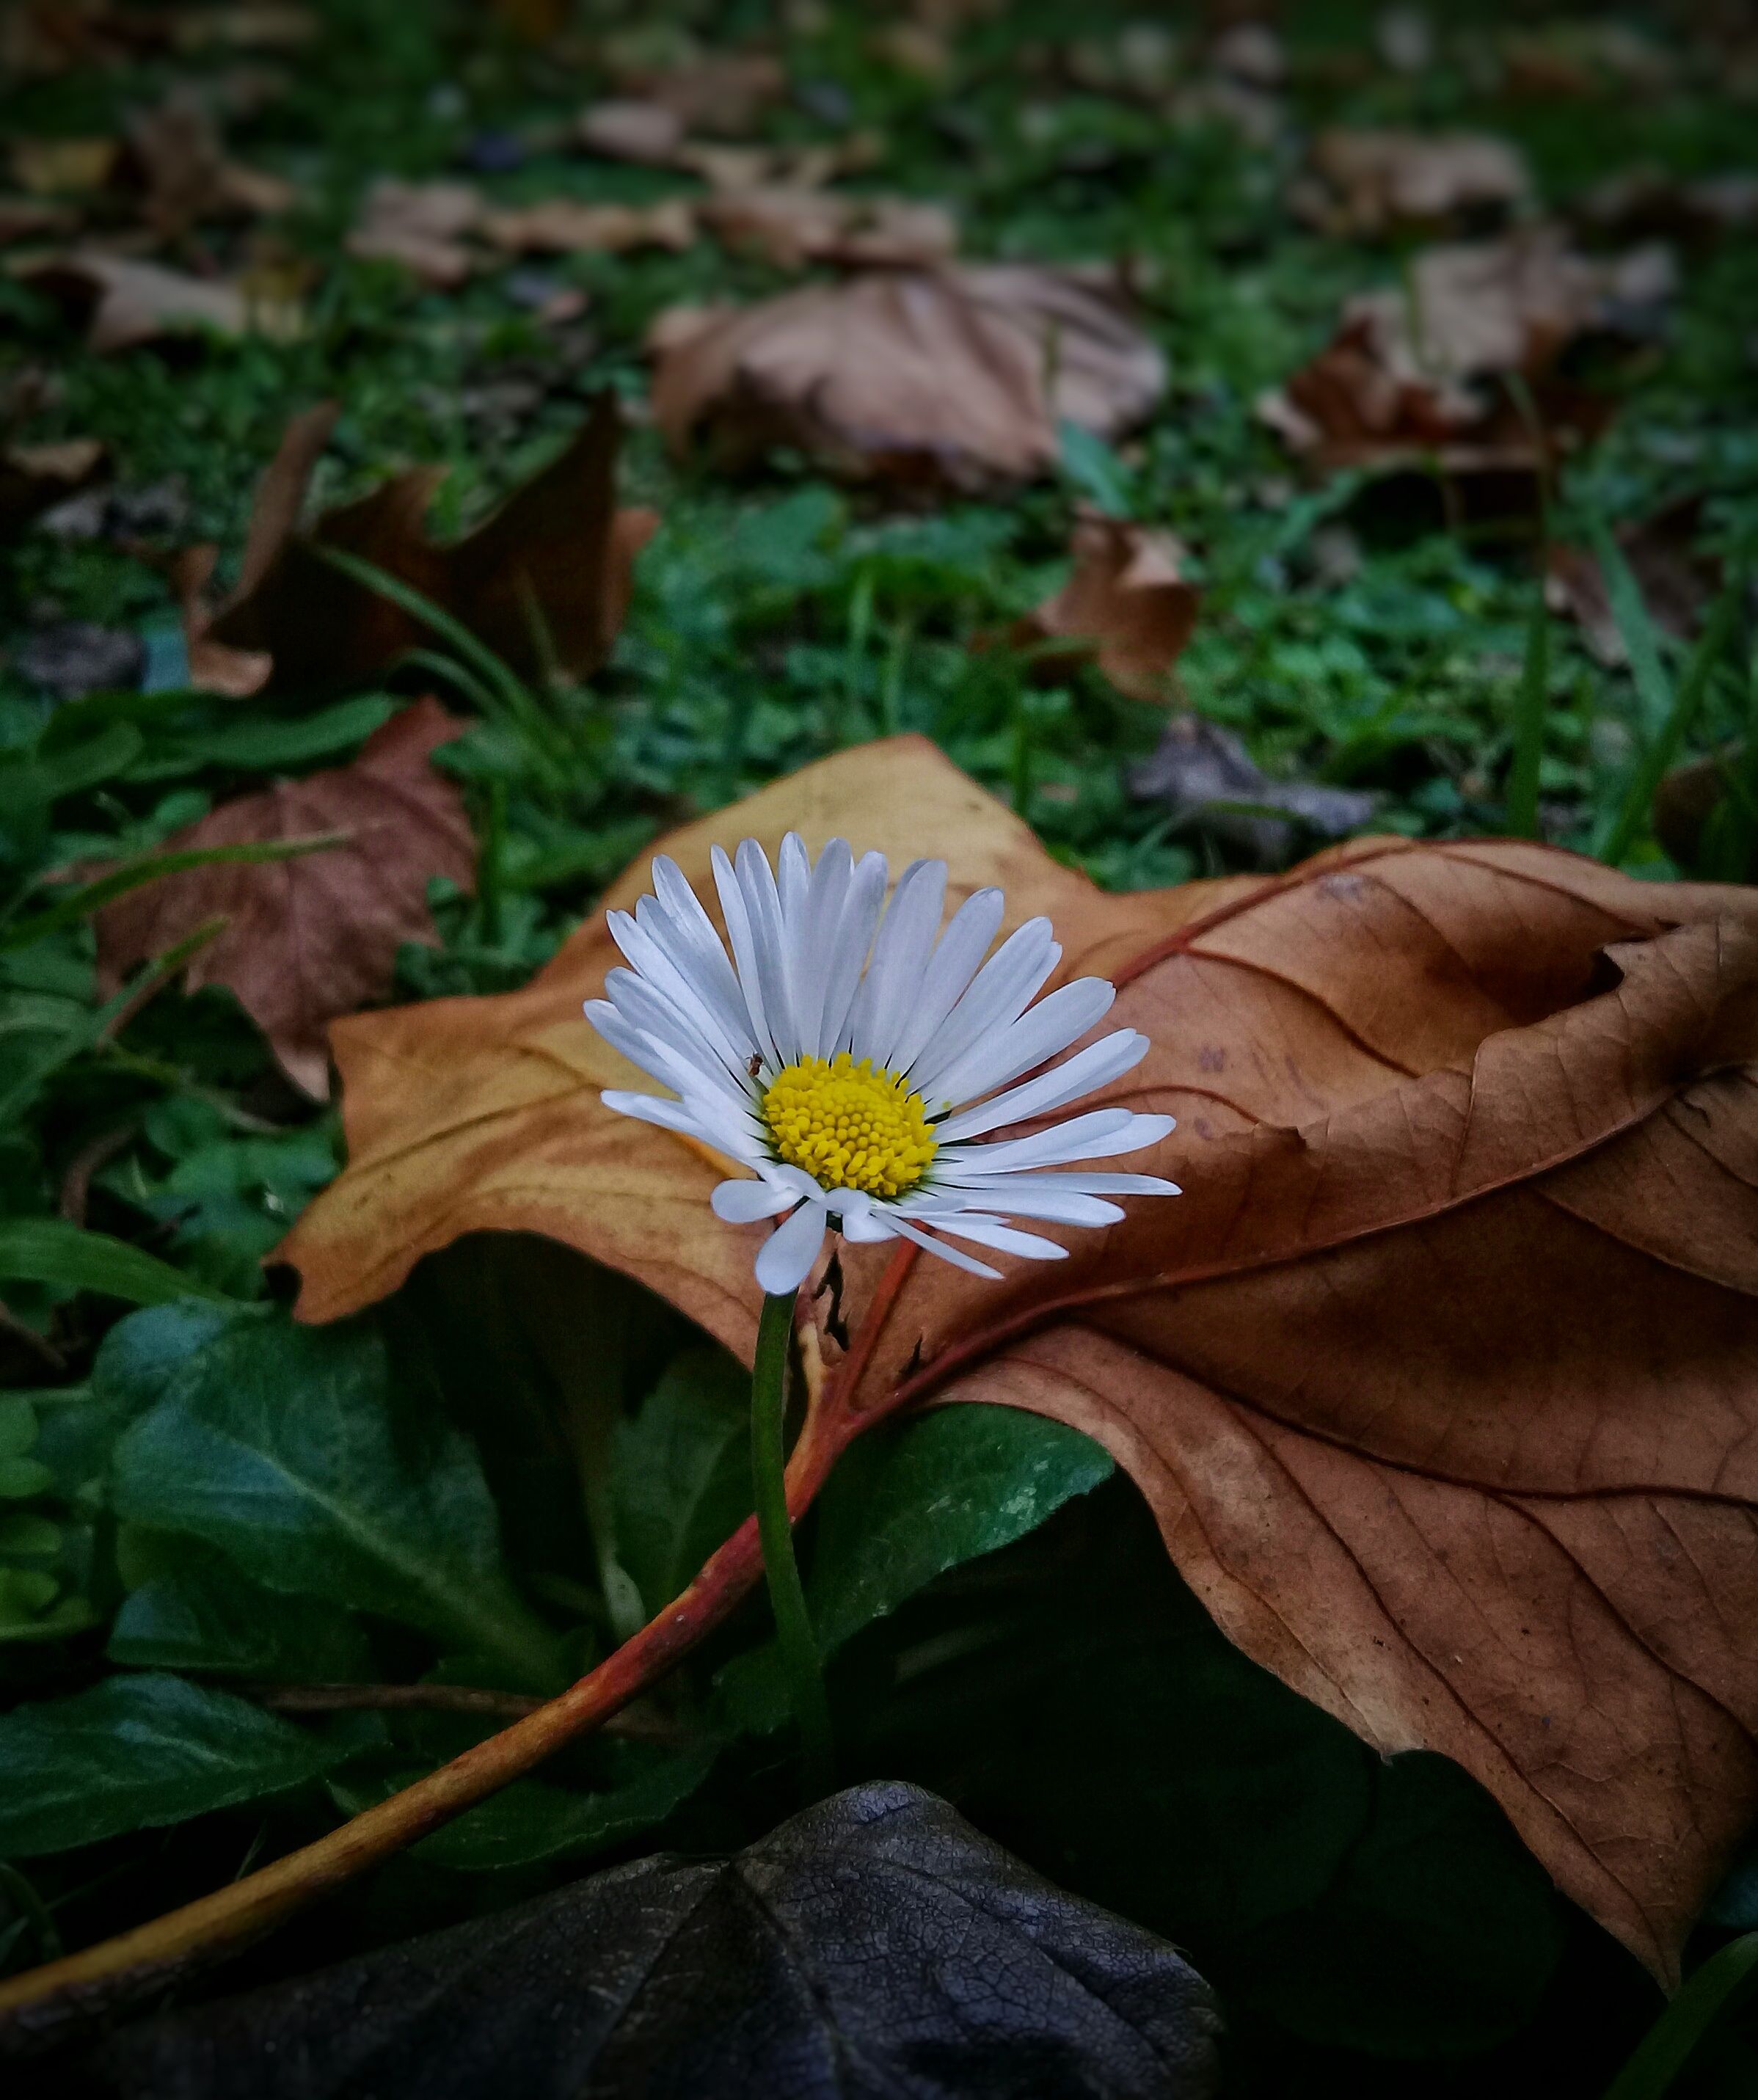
[793, 1636]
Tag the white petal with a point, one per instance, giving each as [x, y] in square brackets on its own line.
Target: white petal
[652, 960]
[788, 1253]
[1000, 994]
[623, 1036]
[866, 1227]
[793, 884]
[901, 954]
[1040, 1032]
[1097, 1134]
[990, 1231]
[962, 948]
[693, 935]
[1019, 1196]
[1012, 1192]
[769, 936]
[1095, 1066]
[647, 1009]
[854, 937]
[958, 1259]
[813, 940]
[741, 1203]
[703, 984]
[744, 953]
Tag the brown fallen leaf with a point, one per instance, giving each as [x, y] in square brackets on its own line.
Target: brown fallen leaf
[1675, 581]
[1201, 773]
[420, 225]
[565, 226]
[312, 938]
[62, 167]
[128, 302]
[174, 164]
[30, 218]
[644, 132]
[792, 225]
[558, 546]
[1645, 204]
[956, 376]
[1365, 183]
[1442, 1378]
[35, 477]
[1404, 378]
[1127, 605]
[721, 92]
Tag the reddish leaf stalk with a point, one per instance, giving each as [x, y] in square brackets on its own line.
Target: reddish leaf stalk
[44, 2005]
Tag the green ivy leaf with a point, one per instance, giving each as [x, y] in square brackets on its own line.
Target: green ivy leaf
[280, 1446]
[135, 1752]
[1438, 1933]
[194, 1611]
[908, 1501]
[532, 1822]
[680, 1472]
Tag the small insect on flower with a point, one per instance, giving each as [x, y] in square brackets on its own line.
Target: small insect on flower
[857, 1059]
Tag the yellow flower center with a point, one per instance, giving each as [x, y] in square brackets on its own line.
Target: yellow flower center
[849, 1126]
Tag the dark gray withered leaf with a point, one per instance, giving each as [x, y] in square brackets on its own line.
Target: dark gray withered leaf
[874, 1948]
[77, 656]
[1208, 780]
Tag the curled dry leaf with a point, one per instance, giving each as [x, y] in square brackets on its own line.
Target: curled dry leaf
[791, 225]
[62, 167]
[565, 226]
[1200, 772]
[174, 164]
[35, 477]
[309, 939]
[644, 132]
[955, 377]
[1412, 374]
[551, 568]
[420, 225]
[1675, 581]
[721, 92]
[1363, 183]
[1441, 1377]
[1127, 606]
[30, 218]
[128, 302]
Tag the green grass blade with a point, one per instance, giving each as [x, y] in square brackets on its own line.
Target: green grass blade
[1529, 710]
[153, 868]
[1654, 689]
[54, 1250]
[510, 687]
[1663, 747]
[1722, 1983]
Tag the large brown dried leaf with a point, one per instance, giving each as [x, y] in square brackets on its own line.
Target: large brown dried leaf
[317, 936]
[952, 376]
[1443, 1376]
[469, 1114]
[558, 544]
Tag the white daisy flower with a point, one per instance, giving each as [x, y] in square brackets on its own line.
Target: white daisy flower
[858, 1060]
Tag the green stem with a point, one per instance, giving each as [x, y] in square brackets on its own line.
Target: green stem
[787, 1599]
